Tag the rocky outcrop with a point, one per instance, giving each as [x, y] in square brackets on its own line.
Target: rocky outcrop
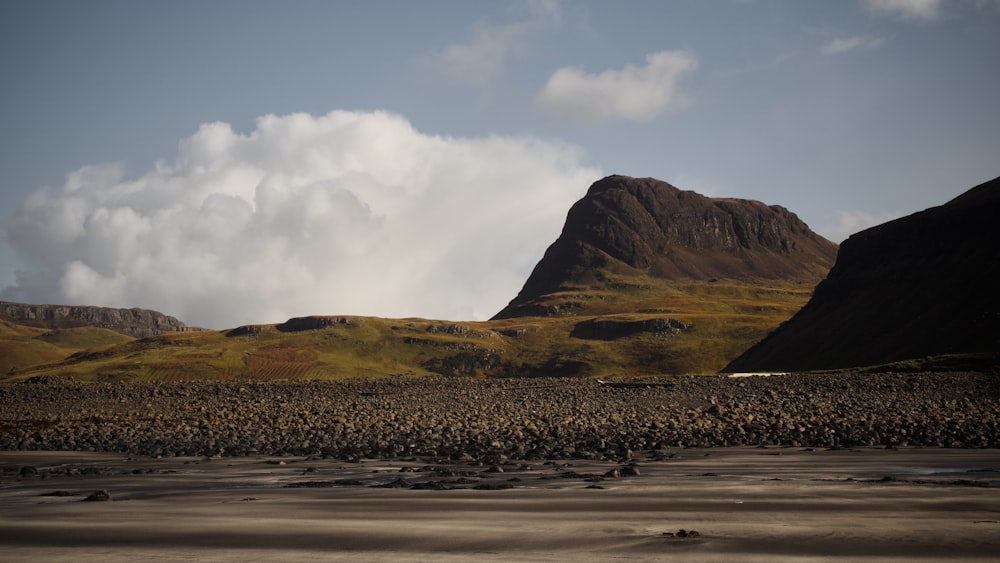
[299, 324]
[611, 329]
[135, 322]
[642, 226]
[246, 330]
[923, 285]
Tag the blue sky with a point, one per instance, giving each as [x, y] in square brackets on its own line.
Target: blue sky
[235, 162]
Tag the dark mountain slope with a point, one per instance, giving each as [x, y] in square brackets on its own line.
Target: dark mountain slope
[645, 227]
[919, 286]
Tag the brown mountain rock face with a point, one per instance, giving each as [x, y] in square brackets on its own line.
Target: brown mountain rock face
[135, 322]
[919, 286]
[642, 226]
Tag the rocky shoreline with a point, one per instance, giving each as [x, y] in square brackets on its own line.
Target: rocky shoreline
[495, 420]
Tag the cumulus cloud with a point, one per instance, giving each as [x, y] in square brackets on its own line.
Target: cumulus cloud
[637, 93]
[917, 10]
[480, 59]
[345, 213]
[855, 43]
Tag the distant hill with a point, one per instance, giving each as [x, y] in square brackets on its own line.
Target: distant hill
[24, 346]
[628, 227]
[920, 286]
[137, 323]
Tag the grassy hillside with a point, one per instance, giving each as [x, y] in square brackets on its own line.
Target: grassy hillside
[629, 326]
[23, 346]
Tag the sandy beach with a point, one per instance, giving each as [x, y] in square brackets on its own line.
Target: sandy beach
[734, 504]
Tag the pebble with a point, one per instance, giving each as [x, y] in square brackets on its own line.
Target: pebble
[490, 421]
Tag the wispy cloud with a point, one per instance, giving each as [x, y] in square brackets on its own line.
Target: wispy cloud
[637, 93]
[855, 43]
[345, 213]
[480, 59]
[917, 10]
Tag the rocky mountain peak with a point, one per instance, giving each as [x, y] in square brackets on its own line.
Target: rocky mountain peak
[636, 219]
[644, 226]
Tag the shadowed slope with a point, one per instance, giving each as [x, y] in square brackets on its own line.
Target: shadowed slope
[919, 286]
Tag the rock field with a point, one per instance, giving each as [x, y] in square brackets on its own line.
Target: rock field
[495, 420]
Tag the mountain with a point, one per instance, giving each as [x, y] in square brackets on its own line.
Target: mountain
[920, 286]
[137, 323]
[645, 279]
[628, 227]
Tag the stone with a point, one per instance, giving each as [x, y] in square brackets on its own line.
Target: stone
[630, 471]
[98, 496]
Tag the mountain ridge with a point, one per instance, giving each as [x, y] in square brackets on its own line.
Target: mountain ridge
[134, 322]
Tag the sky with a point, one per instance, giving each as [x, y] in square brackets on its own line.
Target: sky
[235, 162]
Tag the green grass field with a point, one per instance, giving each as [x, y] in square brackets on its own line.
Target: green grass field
[724, 318]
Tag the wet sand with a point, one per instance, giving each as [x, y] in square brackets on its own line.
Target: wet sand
[745, 503]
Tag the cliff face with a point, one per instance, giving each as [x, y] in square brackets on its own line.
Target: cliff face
[919, 286]
[135, 322]
[643, 226]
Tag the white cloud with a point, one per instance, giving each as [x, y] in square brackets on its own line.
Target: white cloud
[846, 223]
[345, 213]
[479, 60]
[855, 43]
[918, 10]
[637, 93]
